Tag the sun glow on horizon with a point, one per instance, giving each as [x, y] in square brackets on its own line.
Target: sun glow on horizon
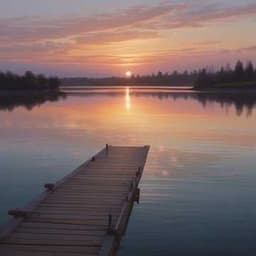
[128, 74]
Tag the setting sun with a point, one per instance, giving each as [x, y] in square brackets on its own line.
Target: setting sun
[128, 74]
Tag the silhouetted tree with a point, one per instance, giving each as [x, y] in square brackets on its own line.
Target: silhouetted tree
[160, 74]
[239, 71]
[249, 71]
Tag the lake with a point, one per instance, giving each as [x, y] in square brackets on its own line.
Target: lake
[198, 188]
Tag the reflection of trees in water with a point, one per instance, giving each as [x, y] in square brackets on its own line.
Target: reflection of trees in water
[242, 101]
[29, 101]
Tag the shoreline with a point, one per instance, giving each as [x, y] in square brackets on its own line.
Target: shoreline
[19, 93]
[62, 92]
[225, 90]
[162, 87]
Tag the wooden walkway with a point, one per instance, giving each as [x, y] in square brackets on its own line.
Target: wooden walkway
[86, 213]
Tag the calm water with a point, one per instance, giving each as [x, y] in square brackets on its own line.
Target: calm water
[198, 189]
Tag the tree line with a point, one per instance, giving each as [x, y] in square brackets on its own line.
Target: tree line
[201, 78]
[227, 75]
[174, 78]
[28, 81]
[205, 77]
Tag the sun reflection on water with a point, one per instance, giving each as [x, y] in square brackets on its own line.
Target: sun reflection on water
[127, 99]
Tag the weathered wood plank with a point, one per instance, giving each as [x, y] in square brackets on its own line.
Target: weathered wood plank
[66, 250]
[12, 252]
[77, 216]
[50, 242]
[54, 238]
[61, 232]
[56, 226]
[77, 221]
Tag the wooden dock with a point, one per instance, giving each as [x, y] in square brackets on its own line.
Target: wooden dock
[85, 213]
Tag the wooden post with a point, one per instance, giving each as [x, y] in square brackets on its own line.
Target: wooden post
[131, 186]
[138, 173]
[134, 182]
[137, 196]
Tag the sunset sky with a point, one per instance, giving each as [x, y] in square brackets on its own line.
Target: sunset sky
[110, 37]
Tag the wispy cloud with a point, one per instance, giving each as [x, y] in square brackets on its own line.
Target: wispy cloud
[162, 16]
[201, 13]
[37, 39]
[107, 37]
[35, 28]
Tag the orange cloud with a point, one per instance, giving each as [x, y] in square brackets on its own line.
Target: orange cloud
[107, 37]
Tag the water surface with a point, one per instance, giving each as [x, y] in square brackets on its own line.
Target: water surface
[198, 188]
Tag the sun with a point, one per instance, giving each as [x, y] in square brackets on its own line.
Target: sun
[128, 74]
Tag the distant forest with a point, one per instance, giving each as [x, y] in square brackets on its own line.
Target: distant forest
[29, 81]
[241, 76]
[160, 79]
[175, 78]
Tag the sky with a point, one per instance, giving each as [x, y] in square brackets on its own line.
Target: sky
[109, 37]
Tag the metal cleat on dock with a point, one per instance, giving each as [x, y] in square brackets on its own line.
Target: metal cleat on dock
[49, 186]
[18, 213]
